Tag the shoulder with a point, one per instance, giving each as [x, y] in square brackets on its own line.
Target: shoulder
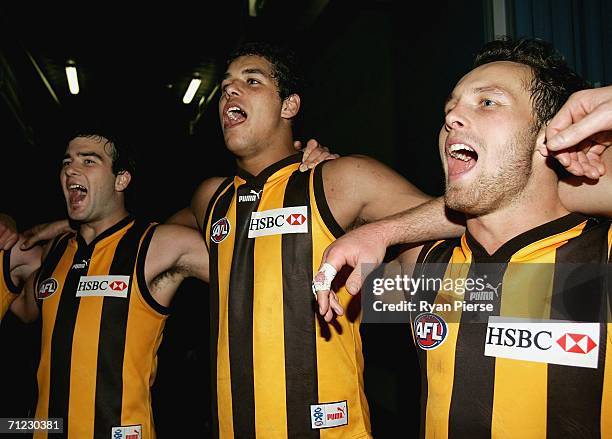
[204, 194]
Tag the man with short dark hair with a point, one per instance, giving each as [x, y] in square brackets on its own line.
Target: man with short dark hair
[531, 360]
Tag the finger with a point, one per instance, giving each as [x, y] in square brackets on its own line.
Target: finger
[297, 145]
[589, 170]
[335, 304]
[578, 131]
[11, 241]
[563, 158]
[323, 302]
[355, 280]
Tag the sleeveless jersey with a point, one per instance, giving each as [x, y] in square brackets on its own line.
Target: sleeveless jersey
[101, 329]
[279, 370]
[537, 363]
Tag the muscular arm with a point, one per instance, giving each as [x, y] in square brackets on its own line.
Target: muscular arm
[193, 215]
[24, 262]
[175, 253]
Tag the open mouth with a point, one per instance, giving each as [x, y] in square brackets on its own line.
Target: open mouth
[461, 158]
[76, 193]
[233, 115]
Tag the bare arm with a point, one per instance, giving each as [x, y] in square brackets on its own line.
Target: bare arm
[175, 253]
[365, 247]
[25, 306]
[24, 262]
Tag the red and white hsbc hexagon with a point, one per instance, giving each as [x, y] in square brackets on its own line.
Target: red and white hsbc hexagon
[543, 341]
[279, 221]
[430, 330]
[104, 286]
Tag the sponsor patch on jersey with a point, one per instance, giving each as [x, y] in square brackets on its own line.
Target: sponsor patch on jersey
[251, 197]
[104, 286]
[128, 432]
[333, 414]
[279, 221]
[543, 341]
[220, 230]
[430, 330]
[46, 288]
[81, 265]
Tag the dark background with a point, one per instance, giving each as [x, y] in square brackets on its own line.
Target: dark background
[379, 73]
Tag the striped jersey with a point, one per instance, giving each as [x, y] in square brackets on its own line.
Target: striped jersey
[101, 329]
[279, 370]
[8, 290]
[529, 354]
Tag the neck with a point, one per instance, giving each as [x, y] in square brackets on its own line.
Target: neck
[91, 230]
[530, 209]
[266, 155]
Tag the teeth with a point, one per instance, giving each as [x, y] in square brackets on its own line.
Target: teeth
[459, 146]
[456, 147]
[231, 109]
[76, 186]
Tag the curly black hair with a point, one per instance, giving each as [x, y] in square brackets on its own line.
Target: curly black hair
[553, 79]
[285, 68]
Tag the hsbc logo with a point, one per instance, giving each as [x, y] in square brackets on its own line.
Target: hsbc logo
[220, 230]
[544, 341]
[279, 221]
[577, 343]
[103, 286]
[430, 330]
[329, 415]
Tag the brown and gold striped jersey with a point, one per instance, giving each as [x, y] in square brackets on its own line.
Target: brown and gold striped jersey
[8, 290]
[101, 329]
[537, 363]
[279, 370]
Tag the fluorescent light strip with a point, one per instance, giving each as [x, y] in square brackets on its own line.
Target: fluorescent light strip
[191, 90]
[73, 80]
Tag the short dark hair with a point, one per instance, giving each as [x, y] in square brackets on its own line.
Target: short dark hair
[122, 156]
[553, 80]
[285, 69]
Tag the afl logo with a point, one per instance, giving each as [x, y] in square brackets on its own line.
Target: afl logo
[47, 288]
[430, 330]
[220, 230]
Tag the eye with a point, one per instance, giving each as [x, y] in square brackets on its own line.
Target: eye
[65, 163]
[89, 162]
[487, 102]
[252, 81]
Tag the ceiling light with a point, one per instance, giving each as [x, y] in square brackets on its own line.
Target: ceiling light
[191, 90]
[73, 80]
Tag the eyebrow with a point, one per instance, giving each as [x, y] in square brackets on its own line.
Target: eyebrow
[250, 72]
[85, 154]
[485, 89]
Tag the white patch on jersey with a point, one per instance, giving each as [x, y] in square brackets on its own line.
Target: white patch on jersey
[543, 341]
[333, 414]
[128, 432]
[105, 286]
[279, 221]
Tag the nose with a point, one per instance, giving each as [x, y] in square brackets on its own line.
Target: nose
[70, 169]
[232, 89]
[455, 118]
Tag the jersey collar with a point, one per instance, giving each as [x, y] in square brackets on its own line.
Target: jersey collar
[263, 176]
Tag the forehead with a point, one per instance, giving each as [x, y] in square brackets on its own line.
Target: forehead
[507, 76]
[250, 62]
[95, 144]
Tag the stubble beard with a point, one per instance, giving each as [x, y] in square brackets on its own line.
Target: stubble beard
[500, 189]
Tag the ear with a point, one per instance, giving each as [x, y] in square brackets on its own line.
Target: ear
[122, 180]
[541, 143]
[291, 106]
